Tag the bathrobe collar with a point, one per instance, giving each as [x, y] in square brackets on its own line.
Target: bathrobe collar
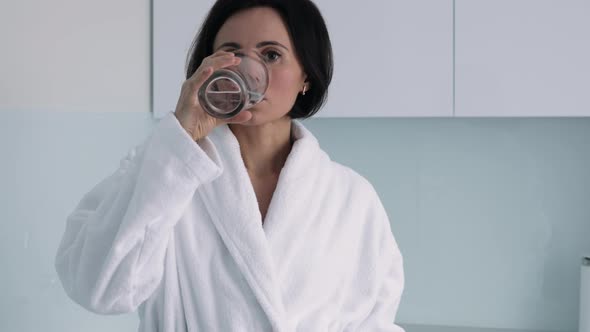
[232, 204]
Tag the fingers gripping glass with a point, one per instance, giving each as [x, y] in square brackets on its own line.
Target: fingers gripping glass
[230, 90]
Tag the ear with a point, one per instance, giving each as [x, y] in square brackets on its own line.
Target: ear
[307, 84]
[306, 81]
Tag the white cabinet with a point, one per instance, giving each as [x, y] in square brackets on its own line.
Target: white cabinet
[392, 58]
[175, 24]
[425, 58]
[522, 58]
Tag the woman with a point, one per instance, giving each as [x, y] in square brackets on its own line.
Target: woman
[242, 224]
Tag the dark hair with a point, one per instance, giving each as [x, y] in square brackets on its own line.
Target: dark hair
[309, 35]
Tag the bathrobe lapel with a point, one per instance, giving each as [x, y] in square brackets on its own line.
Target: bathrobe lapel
[232, 204]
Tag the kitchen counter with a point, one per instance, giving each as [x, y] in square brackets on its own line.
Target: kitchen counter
[436, 328]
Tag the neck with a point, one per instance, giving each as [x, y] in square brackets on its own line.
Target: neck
[264, 148]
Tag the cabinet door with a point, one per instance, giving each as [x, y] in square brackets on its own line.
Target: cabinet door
[392, 58]
[175, 24]
[522, 58]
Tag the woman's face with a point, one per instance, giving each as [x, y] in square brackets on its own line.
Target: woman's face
[263, 29]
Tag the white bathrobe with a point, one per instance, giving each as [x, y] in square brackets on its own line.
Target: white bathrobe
[176, 233]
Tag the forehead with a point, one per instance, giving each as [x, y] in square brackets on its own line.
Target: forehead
[251, 26]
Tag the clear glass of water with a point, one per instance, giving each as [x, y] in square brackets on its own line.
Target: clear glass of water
[230, 90]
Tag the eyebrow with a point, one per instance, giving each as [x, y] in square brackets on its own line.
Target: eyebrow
[259, 45]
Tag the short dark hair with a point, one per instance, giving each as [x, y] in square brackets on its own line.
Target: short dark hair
[308, 33]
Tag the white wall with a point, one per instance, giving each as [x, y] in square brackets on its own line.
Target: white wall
[75, 55]
[59, 57]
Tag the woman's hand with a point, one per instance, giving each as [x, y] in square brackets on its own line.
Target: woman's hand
[189, 112]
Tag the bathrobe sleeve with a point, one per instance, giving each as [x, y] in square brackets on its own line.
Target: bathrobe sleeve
[390, 273]
[111, 256]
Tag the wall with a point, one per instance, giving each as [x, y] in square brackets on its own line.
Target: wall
[492, 215]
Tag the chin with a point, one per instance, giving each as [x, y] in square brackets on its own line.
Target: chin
[254, 120]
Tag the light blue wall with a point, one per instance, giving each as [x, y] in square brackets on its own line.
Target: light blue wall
[492, 215]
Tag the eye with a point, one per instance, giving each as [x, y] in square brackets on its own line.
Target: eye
[271, 56]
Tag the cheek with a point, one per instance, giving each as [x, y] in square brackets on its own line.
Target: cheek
[283, 82]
